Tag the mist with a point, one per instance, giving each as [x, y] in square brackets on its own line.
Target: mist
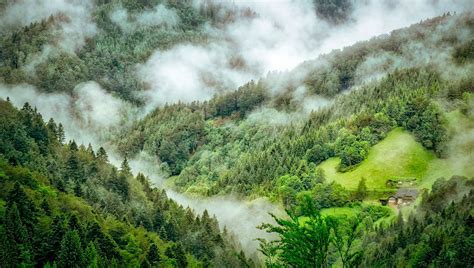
[430, 52]
[74, 24]
[239, 217]
[279, 36]
[88, 115]
[159, 16]
[91, 114]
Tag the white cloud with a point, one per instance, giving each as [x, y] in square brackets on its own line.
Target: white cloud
[281, 36]
[75, 17]
[158, 16]
[88, 116]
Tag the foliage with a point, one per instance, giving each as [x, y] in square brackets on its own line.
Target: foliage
[66, 205]
[108, 58]
[438, 234]
[335, 11]
[312, 242]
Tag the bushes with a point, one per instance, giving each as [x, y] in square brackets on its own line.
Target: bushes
[437, 234]
[425, 120]
[464, 53]
[350, 150]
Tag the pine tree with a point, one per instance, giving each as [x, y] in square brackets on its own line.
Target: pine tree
[118, 183]
[75, 224]
[14, 231]
[18, 237]
[73, 168]
[102, 155]
[55, 236]
[91, 256]
[176, 252]
[361, 192]
[26, 208]
[52, 128]
[60, 133]
[153, 255]
[90, 150]
[70, 254]
[180, 256]
[125, 168]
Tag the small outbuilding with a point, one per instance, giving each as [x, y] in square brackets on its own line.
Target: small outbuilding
[403, 197]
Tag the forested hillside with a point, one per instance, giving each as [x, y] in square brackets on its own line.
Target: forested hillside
[318, 133]
[108, 58]
[64, 204]
[230, 144]
[436, 234]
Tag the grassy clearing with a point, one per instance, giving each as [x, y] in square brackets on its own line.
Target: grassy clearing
[400, 156]
[460, 151]
[341, 211]
[353, 211]
[397, 156]
[336, 212]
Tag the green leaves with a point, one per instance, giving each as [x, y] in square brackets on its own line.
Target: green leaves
[306, 242]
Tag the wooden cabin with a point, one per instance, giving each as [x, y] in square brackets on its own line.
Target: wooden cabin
[403, 197]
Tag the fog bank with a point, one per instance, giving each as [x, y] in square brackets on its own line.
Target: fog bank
[263, 37]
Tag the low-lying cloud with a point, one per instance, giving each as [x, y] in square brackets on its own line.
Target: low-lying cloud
[158, 16]
[279, 36]
[75, 19]
[239, 217]
[88, 115]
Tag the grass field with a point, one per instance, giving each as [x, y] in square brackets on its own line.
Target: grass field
[460, 152]
[341, 211]
[352, 212]
[336, 212]
[400, 156]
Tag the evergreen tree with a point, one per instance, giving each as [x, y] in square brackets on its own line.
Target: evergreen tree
[153, 255]
[16, 237]
[60, 133]
[119, 184]
[125, 168]
[176, 252]
[26, 209]
[74, 172]
[102, 155]
[91, 256]
[361, 192]
[70, 253]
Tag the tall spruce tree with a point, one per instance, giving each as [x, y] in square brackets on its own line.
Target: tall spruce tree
[70, 254]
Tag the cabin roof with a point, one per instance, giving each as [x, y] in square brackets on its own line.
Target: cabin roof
[406, 192]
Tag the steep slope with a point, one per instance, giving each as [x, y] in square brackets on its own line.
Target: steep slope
[65, 204]
[243, 142]
[398, 156]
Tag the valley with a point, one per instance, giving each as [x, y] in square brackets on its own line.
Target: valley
[165, 133]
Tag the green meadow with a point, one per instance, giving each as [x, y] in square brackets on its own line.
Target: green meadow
[399, 156]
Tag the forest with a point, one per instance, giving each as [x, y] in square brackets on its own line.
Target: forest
[165, 133]
[65, 205]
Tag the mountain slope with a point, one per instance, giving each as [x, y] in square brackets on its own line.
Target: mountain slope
[65, 204]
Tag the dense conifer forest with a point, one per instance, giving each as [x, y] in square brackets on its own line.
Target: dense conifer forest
[165, 133]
